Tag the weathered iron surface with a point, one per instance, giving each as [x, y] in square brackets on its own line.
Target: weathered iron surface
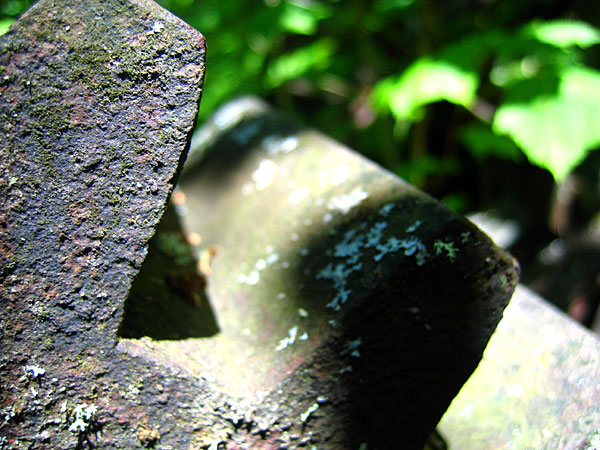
[97, 102]
[537, 386]
[351, 307]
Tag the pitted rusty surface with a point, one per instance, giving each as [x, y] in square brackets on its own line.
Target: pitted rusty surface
[97, 102]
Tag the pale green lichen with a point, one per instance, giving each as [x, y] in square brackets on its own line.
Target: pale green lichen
[447, 247]
[34, 371]
[288, 340]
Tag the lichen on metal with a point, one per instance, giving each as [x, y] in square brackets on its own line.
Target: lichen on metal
[327, 284]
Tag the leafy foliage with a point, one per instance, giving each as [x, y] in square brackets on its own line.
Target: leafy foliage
[424, 82]
[342, 66]
[550, 106]
[556, 130]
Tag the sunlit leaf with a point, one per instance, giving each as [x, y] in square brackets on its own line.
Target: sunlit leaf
[556, 130]
[317, 55]
[565, 33]
[424, 82]
[303, 19]
[4, 25]
[298, 21]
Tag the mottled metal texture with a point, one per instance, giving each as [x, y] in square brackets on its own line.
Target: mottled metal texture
[351, 306]
[97, 102]
[537, 386]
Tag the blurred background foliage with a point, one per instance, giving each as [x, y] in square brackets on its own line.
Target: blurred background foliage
[488, 105]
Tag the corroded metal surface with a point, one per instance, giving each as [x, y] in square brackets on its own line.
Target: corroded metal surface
[351, 307]
[97, 102]
[537, 386]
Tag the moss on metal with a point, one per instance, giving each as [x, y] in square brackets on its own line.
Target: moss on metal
[97, 102]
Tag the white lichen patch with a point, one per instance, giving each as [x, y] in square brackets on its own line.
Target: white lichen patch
[344, 203]
[157, 27]
[302, 313]
[214, 445]
[83, 415]
[288, 340]
[265, 174]
[311, 410]
[303, 337]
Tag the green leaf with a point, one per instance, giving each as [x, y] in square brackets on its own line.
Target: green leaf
[418, 170]
[383, 6]
[565, 33]
[556, 130]
[298, 21]
[317, 55]
[5, 25]
[482, 142]
[303, 19]
[426, 81]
